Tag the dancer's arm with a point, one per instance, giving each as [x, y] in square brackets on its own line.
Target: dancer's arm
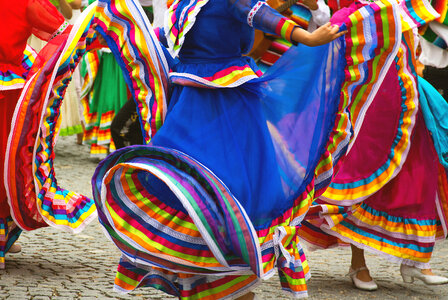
[76, 4]
[66, 9]
[322, 35]
[261, 16]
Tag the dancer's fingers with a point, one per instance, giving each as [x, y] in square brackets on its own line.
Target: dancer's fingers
[334, 29]
[341, 33]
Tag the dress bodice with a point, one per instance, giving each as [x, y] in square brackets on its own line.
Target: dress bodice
[217, 35]
[18, 19]
[211, 40]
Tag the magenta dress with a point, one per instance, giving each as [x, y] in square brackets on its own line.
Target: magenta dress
[389, 196]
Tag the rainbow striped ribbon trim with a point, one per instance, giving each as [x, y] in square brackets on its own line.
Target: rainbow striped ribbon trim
[227, 78]
[129, 35]
[344, 193]
[396, 238]
[367, 63]
[33, 194]
[9, 80]
[181, 18]
[162, 245]
[441, 6]
[428, 34]
[419, 12]
[9, 233]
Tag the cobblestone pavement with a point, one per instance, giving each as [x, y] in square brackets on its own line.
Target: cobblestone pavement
[56, 265]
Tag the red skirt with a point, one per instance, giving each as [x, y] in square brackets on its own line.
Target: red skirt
[8, 100]
[9, 230]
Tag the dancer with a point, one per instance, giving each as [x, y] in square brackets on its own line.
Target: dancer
[104, 94]
[389, 194]
[103, 99]
[211, 205]
[29, 197]
[18, 20]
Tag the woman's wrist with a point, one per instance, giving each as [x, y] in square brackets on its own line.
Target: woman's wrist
[301, 36]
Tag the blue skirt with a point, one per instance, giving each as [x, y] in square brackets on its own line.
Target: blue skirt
[212, 204]
[230, 131]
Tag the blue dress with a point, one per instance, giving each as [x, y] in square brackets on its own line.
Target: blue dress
[226, 127]
[211, 205]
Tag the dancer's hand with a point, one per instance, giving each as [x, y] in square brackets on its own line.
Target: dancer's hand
[100, 38]
[325, 34]
[322, 35]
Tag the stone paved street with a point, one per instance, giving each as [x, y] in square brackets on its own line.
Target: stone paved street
[56, 265]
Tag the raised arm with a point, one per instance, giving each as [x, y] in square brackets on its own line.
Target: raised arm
[260, 15]
[45, 19]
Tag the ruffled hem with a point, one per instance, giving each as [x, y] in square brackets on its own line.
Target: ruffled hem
[33, 194]
[363, 76]
[9, 233]
[382, 253]
[11, 79]
[216, 238]
[71, 130]
[349, 192]
[354, 190]
[184, 286]
[150, 92]
[400, 239]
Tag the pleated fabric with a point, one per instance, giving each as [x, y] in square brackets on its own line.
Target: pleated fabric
[34, 197]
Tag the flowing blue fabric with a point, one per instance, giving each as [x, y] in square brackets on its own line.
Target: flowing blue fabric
[263, 139]
[435, 112]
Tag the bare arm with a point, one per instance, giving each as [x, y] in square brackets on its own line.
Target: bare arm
[322, 35]
[66, 9]
[44, 17]
[76, 4]
[261, 16]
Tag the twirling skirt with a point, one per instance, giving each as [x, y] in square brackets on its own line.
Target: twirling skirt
[212, 204]
[9, 232]
[389, 196]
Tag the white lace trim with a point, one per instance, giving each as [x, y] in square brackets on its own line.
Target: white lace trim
[253, 12]
[60, 30]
